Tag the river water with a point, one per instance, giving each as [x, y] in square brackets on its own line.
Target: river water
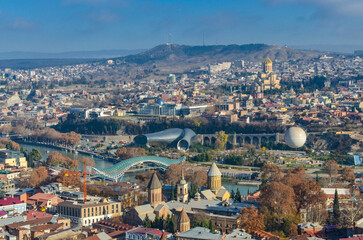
[244, 189]
[102, 163]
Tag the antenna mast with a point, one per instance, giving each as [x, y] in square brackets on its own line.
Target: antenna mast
[169, 39]
[203, 40]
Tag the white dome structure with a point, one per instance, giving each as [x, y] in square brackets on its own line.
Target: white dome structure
[295, 137]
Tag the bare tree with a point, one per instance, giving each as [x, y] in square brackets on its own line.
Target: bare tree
[332, 169]
[352, 212]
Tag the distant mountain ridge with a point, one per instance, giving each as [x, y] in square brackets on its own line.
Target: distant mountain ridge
[167, 56]
[111, 53]
[171, 54]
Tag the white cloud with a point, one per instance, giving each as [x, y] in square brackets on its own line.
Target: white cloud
[22, 24]
[97, 3]
[353, 8]
[103, 16]
[18, 24]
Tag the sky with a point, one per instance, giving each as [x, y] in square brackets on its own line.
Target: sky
[80, 25]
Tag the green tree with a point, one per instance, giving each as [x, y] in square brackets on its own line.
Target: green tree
[34, 155]
[147, 222]
[170, 224]
[192, 190]
[210, 225]
[175, 191]
[233, 195]
[222, 138]
[264, 182]
[238, 195]
[336, 209]
[172, 197]
[37, 155]
[157, 223]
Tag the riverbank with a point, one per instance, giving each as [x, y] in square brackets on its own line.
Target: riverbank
[242, 183]
[46, 149]
[66, 149]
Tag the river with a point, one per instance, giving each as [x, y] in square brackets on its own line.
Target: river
[102, 163]
[244, 189]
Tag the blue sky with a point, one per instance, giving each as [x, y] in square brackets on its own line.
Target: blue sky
[76, 25]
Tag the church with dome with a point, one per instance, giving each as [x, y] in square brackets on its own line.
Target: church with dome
[212, 200]
[267, 79]
[215, 190]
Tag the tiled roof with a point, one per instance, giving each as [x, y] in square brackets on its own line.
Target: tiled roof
[42, 196]
[11, 220]
[42, 228]
[9, 201]
[200, 233]
[33, 222]
[142, 209]
[265, 235]
[214, 171]
[154, 182]
[33, 214]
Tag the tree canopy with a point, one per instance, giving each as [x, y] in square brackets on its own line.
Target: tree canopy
[251, 220]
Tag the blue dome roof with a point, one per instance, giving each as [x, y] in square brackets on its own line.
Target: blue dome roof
[160, 101]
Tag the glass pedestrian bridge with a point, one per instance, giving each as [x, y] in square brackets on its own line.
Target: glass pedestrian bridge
[117, 171]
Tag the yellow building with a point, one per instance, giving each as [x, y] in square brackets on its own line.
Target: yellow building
[87, 213]
[13, 158]
[215, 184]
[214, 178]
[267, 79]
[267, 65]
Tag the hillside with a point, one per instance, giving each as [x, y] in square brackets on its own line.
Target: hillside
[165, 57]
[111, 53]
[40, 63]
[182, 55]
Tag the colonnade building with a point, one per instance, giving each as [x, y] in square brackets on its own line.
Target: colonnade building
[85, 214]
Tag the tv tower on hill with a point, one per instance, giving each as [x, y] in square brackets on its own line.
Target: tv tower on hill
[169, 39]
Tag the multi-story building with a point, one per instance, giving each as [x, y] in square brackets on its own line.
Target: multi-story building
[13, 158]
[21, 193]
[142, 233]
[6, 185]
[44, 200]
[199, 233]
[86, 213]
[12, 206]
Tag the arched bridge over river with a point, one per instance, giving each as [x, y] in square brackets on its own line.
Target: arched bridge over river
[118, 170]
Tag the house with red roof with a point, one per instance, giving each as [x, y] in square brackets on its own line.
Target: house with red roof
[143, 233]
[259, 234]
[12, 206]
[44, 200]
[3, 214]
[34, 214]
